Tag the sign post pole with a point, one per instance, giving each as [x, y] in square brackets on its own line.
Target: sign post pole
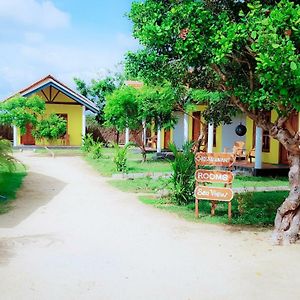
[203, 176]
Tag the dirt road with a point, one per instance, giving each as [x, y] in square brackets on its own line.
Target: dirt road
[72, 236]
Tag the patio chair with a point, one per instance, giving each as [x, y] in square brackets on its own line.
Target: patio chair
[65, 140]
[151, 141]
[251, 154]
[238, 150]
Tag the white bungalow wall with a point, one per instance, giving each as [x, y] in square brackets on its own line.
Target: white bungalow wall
[228, 132]
[178, 133]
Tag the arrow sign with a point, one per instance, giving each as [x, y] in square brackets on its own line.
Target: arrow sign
[214, 159]
[213, 193]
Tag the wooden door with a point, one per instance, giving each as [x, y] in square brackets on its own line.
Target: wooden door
[27, 138]
[167, 138]
[283, 154]
[196, 125]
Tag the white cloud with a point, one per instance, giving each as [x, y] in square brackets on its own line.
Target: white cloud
[43, 14]
[34, 37]
[25, 63]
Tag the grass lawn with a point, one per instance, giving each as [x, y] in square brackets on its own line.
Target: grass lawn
[106, 166]
[258, 209]
[141, 185]
[10, 182]
[59, 152]
[148, 185]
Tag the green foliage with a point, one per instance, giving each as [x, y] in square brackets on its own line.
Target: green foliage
[98, 90]
[247, 49]
[183, 181]
[20, 111]
[87, 142]
[260, 212]
[120, 158]
[7, 161]
[10, 182]
[97, 150]
[50, 128]
[121, 110]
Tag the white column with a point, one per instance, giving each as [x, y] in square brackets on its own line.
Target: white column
[185, 128]
[258, 147]
[210, 143]
[144, 133]
[83, 121]
[127, 136]
[158, 144]
[15, 135]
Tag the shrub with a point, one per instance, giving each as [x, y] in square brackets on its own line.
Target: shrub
[50, 128]
[87, 142]
[96, 150]
[183, 180]
[120, 158]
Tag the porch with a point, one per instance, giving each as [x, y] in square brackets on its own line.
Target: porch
[266, 169]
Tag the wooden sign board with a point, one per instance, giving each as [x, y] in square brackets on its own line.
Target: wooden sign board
[213, 193]
[213, 176]
[214, 159]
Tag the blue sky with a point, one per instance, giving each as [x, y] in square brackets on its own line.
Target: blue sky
[65, 38]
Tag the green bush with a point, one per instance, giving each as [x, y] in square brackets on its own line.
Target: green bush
[120, 158]
[96, 150]
[87, 142]
[51, 128]
[183, 180]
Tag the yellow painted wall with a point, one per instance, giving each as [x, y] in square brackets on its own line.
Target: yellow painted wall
[271, 157]
[74, 112]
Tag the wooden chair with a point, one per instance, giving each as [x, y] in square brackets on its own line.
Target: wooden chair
[151, 141]
[251, 154]
[238, 150]
[65, 140]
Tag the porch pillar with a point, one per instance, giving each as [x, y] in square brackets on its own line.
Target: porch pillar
[127, 136]
[83, 122]
[210, 143]
[144, 133]
[258, 147]
[185, 128]
[15, 136]
[158, 144]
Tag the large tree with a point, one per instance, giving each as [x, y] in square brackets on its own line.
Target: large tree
[246, 50]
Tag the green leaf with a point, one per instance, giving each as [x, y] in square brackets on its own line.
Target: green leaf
[293, 66]
[275, 46]
[254, 34]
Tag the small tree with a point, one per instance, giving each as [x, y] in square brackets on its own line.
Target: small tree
[130, 108]
[50, 128]
[20, 111]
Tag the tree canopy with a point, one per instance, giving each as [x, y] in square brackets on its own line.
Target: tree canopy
[98, 90]
[248, 51]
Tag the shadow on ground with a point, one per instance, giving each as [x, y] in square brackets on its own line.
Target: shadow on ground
[37, 190]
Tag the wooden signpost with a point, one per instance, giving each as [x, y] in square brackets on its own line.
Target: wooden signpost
[202, 176]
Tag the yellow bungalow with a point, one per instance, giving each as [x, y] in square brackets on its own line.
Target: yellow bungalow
[265, 149]
[60, 100]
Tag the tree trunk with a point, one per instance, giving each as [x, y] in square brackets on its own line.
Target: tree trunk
[201, 143]
[287, 221]
[140, 143]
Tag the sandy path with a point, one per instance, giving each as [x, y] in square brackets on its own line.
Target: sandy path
[72, 236]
